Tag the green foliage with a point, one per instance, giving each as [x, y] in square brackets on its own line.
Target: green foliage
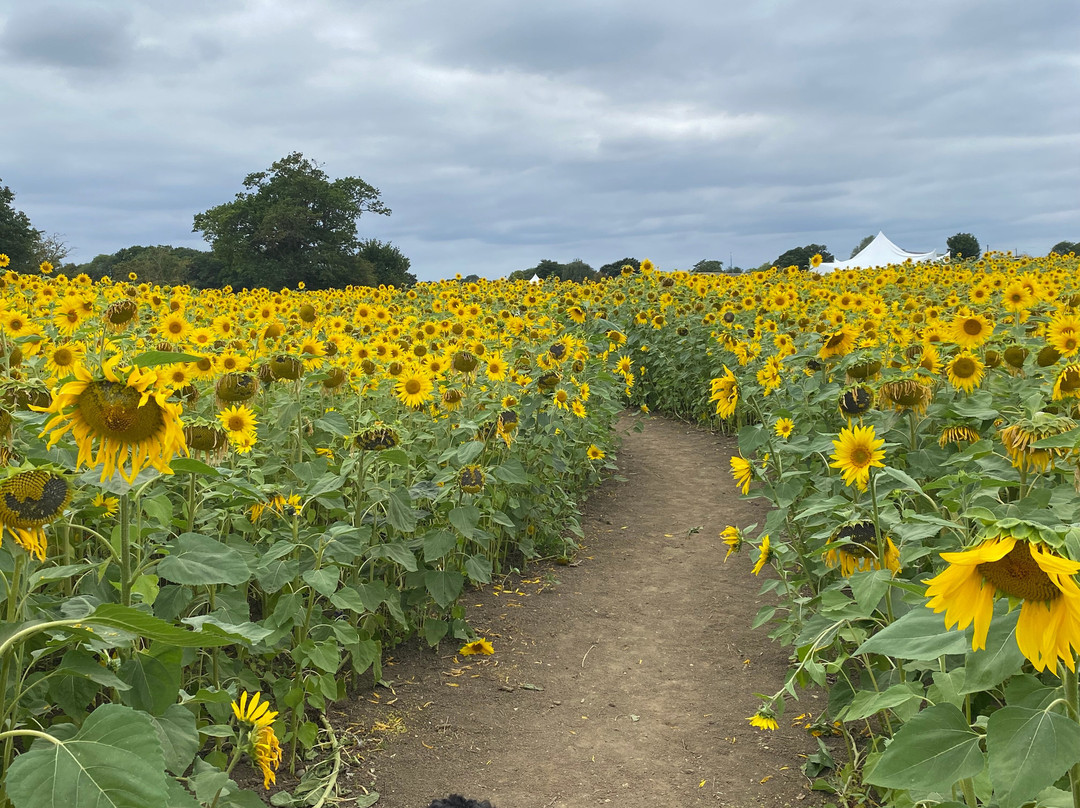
[709, 265]
[800, 256]
[162, 265]
[577, 271]
[1065, 247]
[390, 264]
[861, 245]
[18, 238]
[292, 225]
[963, 245]
[614, 269]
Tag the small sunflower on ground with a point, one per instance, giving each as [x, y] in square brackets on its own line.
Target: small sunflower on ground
[481, 647]
[857, 450]
[764, 718]
[125, 418]
[1049, 627]
[262, 744]
[743, 472]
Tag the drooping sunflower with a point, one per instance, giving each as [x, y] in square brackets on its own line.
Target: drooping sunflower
[965, 371]
[765, 553]
[1067, 383]
[857, 450]
[743, 472]
[856, 401]
[956, 434]
[854, 548]
[1049, 626]
[29, 500]
[725, 392]
[764, 718]
[1019, 436]
[733, 538]
[126, 418]
[905, 394]
[470, 479]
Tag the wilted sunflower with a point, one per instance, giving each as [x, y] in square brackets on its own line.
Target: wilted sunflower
[743, 472]
[856, 401]
[377, 437]
[125, 418]
[470, 479]
[1049, 626]
[206, 441]
[956, 434]
[235, 388]
[725, 392]
[965, 371]
[28, 501]
[903, 395]
[451, 399]
[764, 554]
[1067, 383]
[856, 549]
[121, 314]
[1019, 436]
[857, 450]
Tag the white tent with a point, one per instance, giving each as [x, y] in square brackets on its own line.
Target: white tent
[878, 253]
[535, 278]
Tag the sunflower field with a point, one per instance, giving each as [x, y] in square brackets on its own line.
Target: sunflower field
[220, 508]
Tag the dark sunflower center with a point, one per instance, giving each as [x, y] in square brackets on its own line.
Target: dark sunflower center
[112, 410]
[860, 456]
[1019, 576]
[1070, 380]
[62, 357]
[412, 386]
[963, 368]
[834, 340]
[34, 497]
[972, 327]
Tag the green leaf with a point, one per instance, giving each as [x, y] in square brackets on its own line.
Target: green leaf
[435, 630]
[325, 655]
[919, 634]
[132, 621]
[151, 359]
[190, 465]
[465, 518]
[324, 581]
[931, 752]
[479, 569]
[114, 760]
[397, 551]
[1001, 658]
[437, 543]
[178, 737]
[179, 797]
[868, 702]
[906, 479]
[511, 471]
[86, 665]
[198, 560]
[325, 484]
[154, 680]
[445, 586]
[869, 587]
[348, 598]
[1029, 750]
[400, 512]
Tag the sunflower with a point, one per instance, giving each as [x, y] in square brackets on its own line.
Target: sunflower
[784, 427]
[28, 501]
[765, 554]
[62, 359]
[764, 718]
[857, 450]
[253, 711]
[496, 367]
[855, 549]
[124, 417]
[733, 538]
[743, 471]
[1067, 384]
[470, 479]
[725, 392]
[481, 646]
[239, 422]
[595, 452]
[266, 752]
[856, 401]
[839, 343]
[414, 388]
[905, 394]
[174, 328]
[965, 371]
[971, 330]
[377, 437]
[1017, 297]
[956, 434]
[1019, 436]
[206, 441]
[1049, 626]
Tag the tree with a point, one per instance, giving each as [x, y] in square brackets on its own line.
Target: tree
[710, 265]
[963, 245]
[292, 225]
[862, 246]
[577, 271]
[800, 256]
[18, 238]
[614, 269]
[390, 264]
[1065, 247]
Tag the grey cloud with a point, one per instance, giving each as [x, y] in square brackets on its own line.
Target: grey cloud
[91, 36]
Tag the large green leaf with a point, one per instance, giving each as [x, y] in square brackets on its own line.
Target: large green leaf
[444, 585]
[465, 518]
[178, 736]
[919, 634]
[1029, 750]
[931, 752]
[398, 551]
[131, 621]
[1001, 658]
[153, 679]
[113, 761]
[197, 560]
[868, 702]
[149, 359]
[400, 512]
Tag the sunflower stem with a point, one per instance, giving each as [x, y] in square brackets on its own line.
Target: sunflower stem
[191, 504]
[11, 617]
[1069, 682]
[967, 785]
[125, 549]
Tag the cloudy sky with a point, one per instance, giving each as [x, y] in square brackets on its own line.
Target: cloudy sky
[503, 132]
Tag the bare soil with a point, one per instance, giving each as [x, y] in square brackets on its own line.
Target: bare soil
[626, 678]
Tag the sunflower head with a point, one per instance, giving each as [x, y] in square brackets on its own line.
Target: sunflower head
[1018, 437]
[856, 401]
[864, 370]
[286, 367]
[335, 378]
[471, 479]
[121, 314]
[905, 394]
[1015, 356]
[235, 388]
[30, 499]
[853, 547]
[377, 437]
[464, 362]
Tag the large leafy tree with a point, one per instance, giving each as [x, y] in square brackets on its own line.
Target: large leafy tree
[1065, 247]
[963, 245]
[292, 224]
[614, 269]
[800, 256]
[18, 238]
[389, 263]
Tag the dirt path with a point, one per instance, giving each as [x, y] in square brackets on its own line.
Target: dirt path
[627, 682]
